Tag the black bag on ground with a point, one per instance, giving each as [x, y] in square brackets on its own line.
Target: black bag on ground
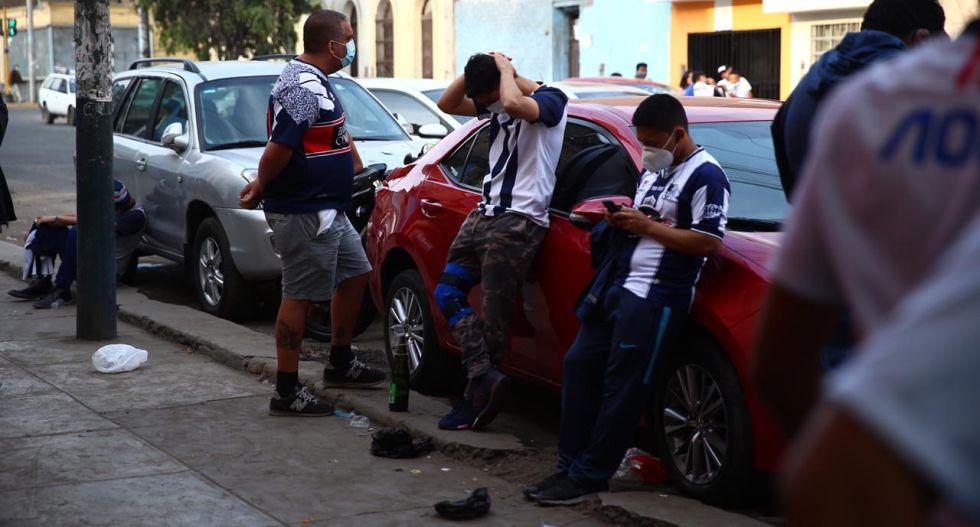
[473, 507]
[395, 442]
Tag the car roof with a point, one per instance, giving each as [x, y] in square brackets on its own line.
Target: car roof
[403, 84]
[699, 109]
[629, 81]
[590, 87]
[223, 69]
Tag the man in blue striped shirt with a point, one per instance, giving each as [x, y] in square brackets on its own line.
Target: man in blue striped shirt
[497, 243]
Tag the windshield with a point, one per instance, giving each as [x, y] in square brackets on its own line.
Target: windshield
[435, 94]
[232, 112]
[746, 153]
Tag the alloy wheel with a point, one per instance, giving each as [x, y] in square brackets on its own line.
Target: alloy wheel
[405, 314]
[695, 424]
[209, 271]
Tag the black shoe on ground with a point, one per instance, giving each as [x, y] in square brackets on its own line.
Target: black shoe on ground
[566, 491]
[531, 491]
[55, 299]
[487, 396]
[37, 289]
[357, 375]
[461, 417]
[300, 403]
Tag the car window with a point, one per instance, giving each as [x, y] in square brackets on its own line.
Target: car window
[173, 109]
[73, 86]
[366, 119]
[434, 95]
[138, 114]
[416, 113]
[579, 136]
[56, 85]
[470, 163]
[47, 83]
[123, 107]
[745, 151]
[118, 92]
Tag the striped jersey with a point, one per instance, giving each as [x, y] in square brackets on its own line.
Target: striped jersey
[524, 156]
[306, 115]
[691, 195]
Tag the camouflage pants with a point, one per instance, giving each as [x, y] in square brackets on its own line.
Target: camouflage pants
[497, 252]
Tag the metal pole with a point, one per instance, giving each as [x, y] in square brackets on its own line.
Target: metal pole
[30, 49]
[6, 55]
[145, 37]
[93, 139]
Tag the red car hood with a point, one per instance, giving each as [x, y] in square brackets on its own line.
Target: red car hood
[755, 248]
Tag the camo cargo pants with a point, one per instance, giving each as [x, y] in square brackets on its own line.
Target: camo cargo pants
[497, 252]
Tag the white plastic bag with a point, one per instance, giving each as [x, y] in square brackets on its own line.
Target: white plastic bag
[117, 358]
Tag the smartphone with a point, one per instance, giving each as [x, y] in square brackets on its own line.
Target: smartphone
[612, 206]
[649, 211]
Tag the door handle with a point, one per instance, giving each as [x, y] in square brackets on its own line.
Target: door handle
[141, 164]
[431, 207]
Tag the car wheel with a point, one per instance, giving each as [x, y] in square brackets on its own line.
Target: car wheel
[432, 371]
[321, 330]
[46, 115]
[221, 290]
[701, 423]
[70, 118]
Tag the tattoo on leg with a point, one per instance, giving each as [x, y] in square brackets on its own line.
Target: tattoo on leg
[286, 336]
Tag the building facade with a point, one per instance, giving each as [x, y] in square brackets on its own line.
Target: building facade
[400, 38]
[54, 36]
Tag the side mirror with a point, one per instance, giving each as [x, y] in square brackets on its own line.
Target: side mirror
[175, 138]
[590, 212]
[433, 131]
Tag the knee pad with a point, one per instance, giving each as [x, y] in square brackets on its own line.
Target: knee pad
[451, 291]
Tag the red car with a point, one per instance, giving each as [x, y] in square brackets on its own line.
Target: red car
[643, 84]
[707, 423]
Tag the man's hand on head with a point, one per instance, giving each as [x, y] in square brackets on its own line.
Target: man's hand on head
[504, 63]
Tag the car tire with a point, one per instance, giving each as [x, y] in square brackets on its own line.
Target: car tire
[70, 118]
[432, 370]
[221, 289]
[699, 366]
[46, 115]
[322, 331]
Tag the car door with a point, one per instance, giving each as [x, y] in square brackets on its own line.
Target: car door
[133, 126]
[163, 181]
[56, 105]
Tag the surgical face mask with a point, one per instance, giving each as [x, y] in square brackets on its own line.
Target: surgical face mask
[657, 159]
[497, 107]
[349, 57]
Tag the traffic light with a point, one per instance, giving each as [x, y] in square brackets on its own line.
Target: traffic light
[12, 27]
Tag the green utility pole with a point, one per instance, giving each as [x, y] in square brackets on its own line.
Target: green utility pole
[93, 151]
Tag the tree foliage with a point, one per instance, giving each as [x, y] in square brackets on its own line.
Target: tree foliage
[231, 28]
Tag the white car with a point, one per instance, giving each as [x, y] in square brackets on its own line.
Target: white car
[413, 103]
[56, 97]
[584, 90]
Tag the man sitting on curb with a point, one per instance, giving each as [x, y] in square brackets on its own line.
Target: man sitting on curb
[55, 236]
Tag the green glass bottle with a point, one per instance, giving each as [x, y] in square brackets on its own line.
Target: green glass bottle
[399, 385]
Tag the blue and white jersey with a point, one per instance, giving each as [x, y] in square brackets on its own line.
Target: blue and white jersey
[523, 158]
[692, 195]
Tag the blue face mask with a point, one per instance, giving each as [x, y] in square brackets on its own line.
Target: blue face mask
[349, 57]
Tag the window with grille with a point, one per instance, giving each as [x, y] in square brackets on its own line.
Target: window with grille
[351, 11]
[825, 37]
[384, 40]
[427, 40]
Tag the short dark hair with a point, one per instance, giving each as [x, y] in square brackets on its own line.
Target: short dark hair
[901, 17]
[660, 111]
[698, 74]
[641, 65]
[481, 75]
[322, 27]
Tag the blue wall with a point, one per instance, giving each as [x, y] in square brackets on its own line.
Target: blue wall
[522, 29]
[624, 32]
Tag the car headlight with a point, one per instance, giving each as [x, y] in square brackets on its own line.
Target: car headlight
[249, 174]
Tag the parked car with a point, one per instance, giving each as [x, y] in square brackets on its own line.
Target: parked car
[420, 207]
[413, 102]
[643, 84]
[56, 96]
[188, 136]
[588, 90]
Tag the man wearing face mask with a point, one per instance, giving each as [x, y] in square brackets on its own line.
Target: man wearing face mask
[305, 181]
[497, 243]
[651, 257]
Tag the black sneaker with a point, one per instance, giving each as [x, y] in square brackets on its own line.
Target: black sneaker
[461, 417]
[357, 375]
[57, 298]
[301, 403]
[531, 491]
[487, 396]
[567, 491]
[38, 288]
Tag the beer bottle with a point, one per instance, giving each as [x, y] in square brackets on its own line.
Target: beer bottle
[398, 387]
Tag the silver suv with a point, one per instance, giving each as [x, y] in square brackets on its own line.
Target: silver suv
[188, 136]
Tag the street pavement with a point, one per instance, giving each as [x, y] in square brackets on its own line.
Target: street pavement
[186, 441]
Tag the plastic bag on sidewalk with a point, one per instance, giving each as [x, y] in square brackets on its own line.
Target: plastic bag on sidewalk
[638, 466]
[117, 358]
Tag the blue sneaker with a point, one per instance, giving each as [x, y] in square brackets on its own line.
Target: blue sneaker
[461, 417]
[487, 394]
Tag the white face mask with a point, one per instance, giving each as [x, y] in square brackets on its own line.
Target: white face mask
[657, 159]
[497, 107]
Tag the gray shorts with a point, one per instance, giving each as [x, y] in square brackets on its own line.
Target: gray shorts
[312, 266]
